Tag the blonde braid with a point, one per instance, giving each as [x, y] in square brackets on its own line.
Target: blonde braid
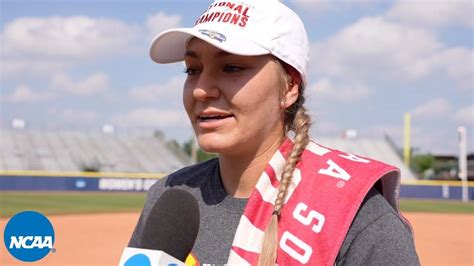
[301, 128]
[300, 124]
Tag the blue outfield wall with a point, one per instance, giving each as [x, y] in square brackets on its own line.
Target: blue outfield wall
[451, 190]
[38, 181]
[75, 181]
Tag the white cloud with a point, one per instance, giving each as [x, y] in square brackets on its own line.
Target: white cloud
[16, 69]
[169, 91]
[319, 6]
[458, 64]
[96, 83]
[375, 47]
[371, 44]
[160, 22]
[41, 46]
[152, 117]
[35, 46]
[314, 6]
[79, 116]
[66, 37]
[432, 109]
[327, 90]
[465, 115]
[23, 94]
[433, 13]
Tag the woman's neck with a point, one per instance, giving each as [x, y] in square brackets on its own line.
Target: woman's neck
[240, 174]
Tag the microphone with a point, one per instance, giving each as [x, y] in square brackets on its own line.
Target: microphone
[169, 233]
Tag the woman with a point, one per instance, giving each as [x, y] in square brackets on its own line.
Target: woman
[269, 198]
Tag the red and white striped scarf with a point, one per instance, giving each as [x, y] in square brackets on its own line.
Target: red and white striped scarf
[323, 197]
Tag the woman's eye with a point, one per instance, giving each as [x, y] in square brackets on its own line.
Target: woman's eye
[191, 71]
[232, 68]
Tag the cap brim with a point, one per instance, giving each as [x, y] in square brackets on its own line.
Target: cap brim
[170, 45]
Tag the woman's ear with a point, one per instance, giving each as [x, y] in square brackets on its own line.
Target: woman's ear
[291, 94]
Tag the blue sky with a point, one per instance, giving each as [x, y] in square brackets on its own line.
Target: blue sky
[78, 65]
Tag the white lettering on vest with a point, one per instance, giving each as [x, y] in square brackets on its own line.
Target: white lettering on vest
[284, 245]
[335, 170]
[316, 149]
[354, 158]
[312, 215]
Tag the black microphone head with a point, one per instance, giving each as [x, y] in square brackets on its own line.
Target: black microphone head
[173, 224]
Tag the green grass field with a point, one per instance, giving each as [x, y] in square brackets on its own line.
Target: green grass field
[104, 202]
[70, 202]
[436, 206]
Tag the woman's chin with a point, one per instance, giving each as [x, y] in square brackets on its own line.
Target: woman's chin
[210, 147]
[214, 144]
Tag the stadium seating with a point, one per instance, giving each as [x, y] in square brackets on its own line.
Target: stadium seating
[378, 149]
[73, 151]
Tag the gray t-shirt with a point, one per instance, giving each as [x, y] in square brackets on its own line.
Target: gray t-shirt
[377, 235]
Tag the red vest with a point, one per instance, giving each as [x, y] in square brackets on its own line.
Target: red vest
[326, 191]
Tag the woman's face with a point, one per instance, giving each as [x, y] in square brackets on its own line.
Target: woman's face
[234, 102]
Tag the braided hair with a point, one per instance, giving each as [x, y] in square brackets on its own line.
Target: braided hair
[298, 121]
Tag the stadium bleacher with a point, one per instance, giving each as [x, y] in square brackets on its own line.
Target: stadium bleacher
[75, 151]
[78, 161]
[378, 149]
[72, 151]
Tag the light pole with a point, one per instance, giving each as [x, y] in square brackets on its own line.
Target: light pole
[462, 161]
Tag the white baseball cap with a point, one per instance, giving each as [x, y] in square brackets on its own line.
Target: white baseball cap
[242, 27]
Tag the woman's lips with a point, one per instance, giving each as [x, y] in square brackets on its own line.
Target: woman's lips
[212, 121]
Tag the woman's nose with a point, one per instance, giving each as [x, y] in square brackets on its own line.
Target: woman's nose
[206, 87]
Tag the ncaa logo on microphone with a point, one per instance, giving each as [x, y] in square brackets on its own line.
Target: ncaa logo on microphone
[29, 236]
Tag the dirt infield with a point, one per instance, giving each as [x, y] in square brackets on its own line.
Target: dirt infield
[444, 239]
[98, 239]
